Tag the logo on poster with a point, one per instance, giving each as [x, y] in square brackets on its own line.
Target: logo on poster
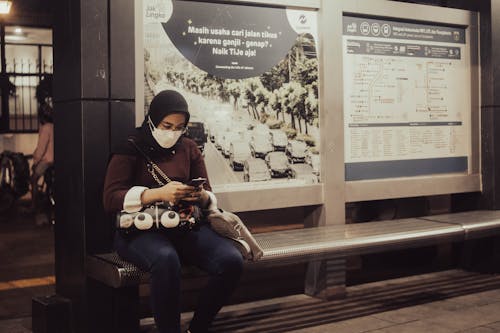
[386, 30]
[352, 28]
[157, 11]
[365, 28]
[302, 23]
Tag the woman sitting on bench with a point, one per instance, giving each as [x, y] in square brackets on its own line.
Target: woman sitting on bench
[131, 184]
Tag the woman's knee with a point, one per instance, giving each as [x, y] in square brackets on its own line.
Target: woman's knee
[231, 264]
[167, 260]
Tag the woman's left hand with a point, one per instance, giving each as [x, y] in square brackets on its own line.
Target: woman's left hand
[194, 195]
[198, 195]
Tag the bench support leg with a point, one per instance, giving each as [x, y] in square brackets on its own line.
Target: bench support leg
[113, 309]
[481, 255]
[326, 279]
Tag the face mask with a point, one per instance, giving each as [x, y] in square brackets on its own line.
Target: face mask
[165, 138]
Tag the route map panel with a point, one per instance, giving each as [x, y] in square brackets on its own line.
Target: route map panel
[407, 101]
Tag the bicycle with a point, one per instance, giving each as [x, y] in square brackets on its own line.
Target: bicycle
[14, 179]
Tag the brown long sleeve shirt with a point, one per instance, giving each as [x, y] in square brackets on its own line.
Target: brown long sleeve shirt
[126, 171]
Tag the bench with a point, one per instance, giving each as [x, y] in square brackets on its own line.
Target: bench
[327, 242]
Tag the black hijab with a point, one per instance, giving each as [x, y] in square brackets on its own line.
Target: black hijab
[164, 103]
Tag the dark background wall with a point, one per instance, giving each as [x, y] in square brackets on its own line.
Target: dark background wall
[37, 13]
[490, 101]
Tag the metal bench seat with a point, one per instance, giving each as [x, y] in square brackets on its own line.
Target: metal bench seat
[318, 243]
[476, 224]
[352, 239]
[113, 271]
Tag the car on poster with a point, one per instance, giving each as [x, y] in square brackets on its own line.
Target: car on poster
[218, 136]
[212, 126]
[303, 172]
[196, 131]
[262, 129]
[226, 140]
[296, 151]
[239, 152]
[278, 164]
[255, 169]
[313, 159]
[260, 145]
[279, 140]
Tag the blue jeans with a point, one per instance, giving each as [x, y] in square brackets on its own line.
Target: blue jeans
[160, 253]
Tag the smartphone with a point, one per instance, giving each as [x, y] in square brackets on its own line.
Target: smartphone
[197, 181]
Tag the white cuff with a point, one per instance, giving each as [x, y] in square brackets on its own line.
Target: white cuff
[212, 202]
[132, 202]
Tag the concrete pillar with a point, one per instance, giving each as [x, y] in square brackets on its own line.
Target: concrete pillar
[94, 93]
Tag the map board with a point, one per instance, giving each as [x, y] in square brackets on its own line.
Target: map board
[407, 99]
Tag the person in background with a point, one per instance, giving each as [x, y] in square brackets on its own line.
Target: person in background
[129, 186]
[43, 156]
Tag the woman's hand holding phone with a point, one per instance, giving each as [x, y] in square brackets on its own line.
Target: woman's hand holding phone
[196, 189]
[197, 182]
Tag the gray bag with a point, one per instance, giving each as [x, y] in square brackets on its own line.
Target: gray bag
[229, 225]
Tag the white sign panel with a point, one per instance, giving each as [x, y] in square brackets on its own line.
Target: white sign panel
[406, 99]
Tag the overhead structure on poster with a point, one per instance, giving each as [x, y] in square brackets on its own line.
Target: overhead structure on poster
[407, 99]
[250, 75]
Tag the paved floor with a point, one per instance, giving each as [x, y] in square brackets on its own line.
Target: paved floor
[26, 265]
[477, 312]
[448, 301]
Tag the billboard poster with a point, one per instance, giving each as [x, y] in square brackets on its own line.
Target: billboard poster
[407, 99]
[250, 75]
